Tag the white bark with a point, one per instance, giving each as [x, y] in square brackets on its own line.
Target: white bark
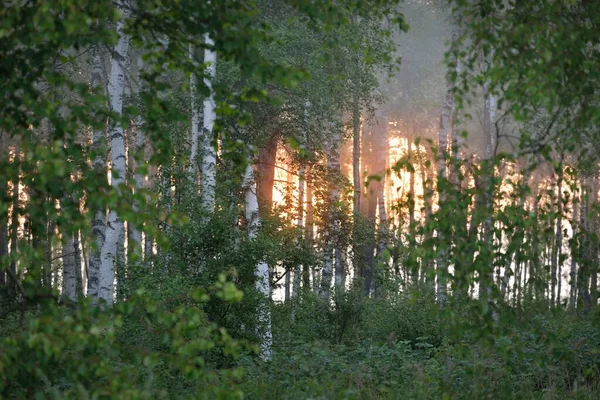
[300, 226]
[443, 134]
[69, 283]
[195, 132]
[489, 119]
[136, 234]
[380, 149]
[573, 272]
[442, 253]
[262, 269]
[209, 155]
[115, 234]
[99, 220]
[300, 216]
[331, 246]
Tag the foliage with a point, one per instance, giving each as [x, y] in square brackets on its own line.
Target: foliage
[459, 302]
[90, 353]
[404, 351]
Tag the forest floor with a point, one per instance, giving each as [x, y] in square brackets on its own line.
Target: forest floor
[403, 348]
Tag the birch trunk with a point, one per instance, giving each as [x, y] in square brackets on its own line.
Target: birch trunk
[195, 128]
[442, 253]
[534, 240]
[489, 111]
[78, 265]
[14, 218]
[356, 155]
[85, 262]
[518, 231]
[583, 280]
[3, 214]
[137, 158]
[380, 163]
[368, 207]
[593, 242]
[333, 162]
[411, 208]
[111, 252]
[209, 154]
[148, 240]
[573, 274]
[356, 180]
[99, 219]
[306, 273]
[556, 251]
[300, 226]
[300, 216]
[267, 158]
[135, 244]
[69, 283]
[262, 269]
[427, 262]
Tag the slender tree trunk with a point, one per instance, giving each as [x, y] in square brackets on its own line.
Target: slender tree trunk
[262, 269]
[195, 128]
[3, 224]
[78, 270]
[331, 247]
[300, 226]
[380, 163]
[356, 155]
[209, 155]
[356, 180]
[486, 273]
[325, 285]
[340, 272]
[427, 262]
[531, 284]
[383, 233]
[148, 240]
[583, 279]
[99, 215]
[368, 208]
[69, 283]
[14, 219]
[134, 239]
[556, 262]
[411, 207]
[309, 234]
[267, 157]
[47, 269]
[298, 269]
[593, 241]
[288, 268]
[111, 253]
[444, 129]
[573, 274]
[518, 234]
[86, 267]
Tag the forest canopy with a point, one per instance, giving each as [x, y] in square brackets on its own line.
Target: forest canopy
[299, 199]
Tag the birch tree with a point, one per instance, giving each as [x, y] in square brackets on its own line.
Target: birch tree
[209, 155]
[115, 234]
[69, 282]
[195, 131]
[99, 165]
[262, 269]
[442, 152]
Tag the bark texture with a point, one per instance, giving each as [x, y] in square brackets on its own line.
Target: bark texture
[209, 154]
[262, 269]
[111, 253]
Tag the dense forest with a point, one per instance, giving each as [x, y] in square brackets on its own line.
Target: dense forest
[299, 199]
